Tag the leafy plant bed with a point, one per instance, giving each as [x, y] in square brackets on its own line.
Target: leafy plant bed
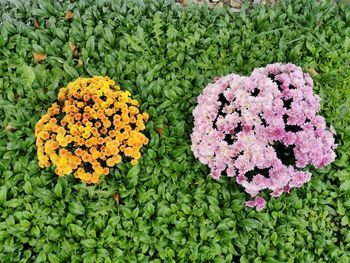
[167, 207]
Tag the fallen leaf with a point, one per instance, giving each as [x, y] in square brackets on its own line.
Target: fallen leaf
[69, 15]
[116, 197]
[313, 72]
[184, 2]
[74, 49]
[39, 57]
[9, 128]
[36, 24]
[159, 130]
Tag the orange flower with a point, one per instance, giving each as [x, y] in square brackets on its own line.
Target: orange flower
[63, 152]
[128, 151]
[88, 143]
[122, 148]
[108, 152]
[145, 116]
[100, 140]
[80, 104]
[44, 135]
[69, 138]
[93, 141]
[112, 133]
[109, 112]
[137, 155]
[81, 141]
[78, 152]
[94, 179]
[61, 130]
[86, 158]
[103, 130]
[111, 161]
[107, 124]
[114, 151]
[64, 122]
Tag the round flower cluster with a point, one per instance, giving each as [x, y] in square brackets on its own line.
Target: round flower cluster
[262, 130]
[88, 128]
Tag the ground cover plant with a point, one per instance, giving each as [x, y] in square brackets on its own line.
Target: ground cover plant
[167, 207]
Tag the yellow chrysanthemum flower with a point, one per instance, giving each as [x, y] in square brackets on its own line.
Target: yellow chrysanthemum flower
[89, 128]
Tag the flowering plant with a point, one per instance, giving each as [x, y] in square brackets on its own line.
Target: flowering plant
[262, 129]
[87, 129]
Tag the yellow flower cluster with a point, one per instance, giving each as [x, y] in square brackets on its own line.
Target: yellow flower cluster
[88, 128]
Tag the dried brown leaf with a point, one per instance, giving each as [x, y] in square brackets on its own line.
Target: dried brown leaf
[9, 128]
[74, 49]
[313, 72]
[159, 130]
[39, 57]
[116, 197]
[36, 24]
[69, 15]
[184, 2]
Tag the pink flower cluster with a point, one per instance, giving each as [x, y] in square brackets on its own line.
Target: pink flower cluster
[262, 130]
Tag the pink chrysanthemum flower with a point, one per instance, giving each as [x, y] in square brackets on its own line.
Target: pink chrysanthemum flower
[262, 130]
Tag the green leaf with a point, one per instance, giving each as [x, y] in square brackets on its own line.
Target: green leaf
[251, 223]
[187, 210]
[77, 230]
[27, 187]
[345, 186]
[28, 75]
[90, 45]
[109, 36]
[310, 46]
[133, 181]
[134, 171]
[13, 203]
[261, 249]
[54, 258]
[70, 70]
[58, 190]
[89, 243]
[347, 44]
[3, 194]
[76, 208]
[35, 231]
[60, 33]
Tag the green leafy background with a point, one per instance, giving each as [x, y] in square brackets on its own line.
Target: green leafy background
[169, 208]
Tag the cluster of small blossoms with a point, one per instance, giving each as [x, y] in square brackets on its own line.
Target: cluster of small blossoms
[262, 130]
[87, 129]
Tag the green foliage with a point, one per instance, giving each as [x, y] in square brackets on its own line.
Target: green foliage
[167, 208]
